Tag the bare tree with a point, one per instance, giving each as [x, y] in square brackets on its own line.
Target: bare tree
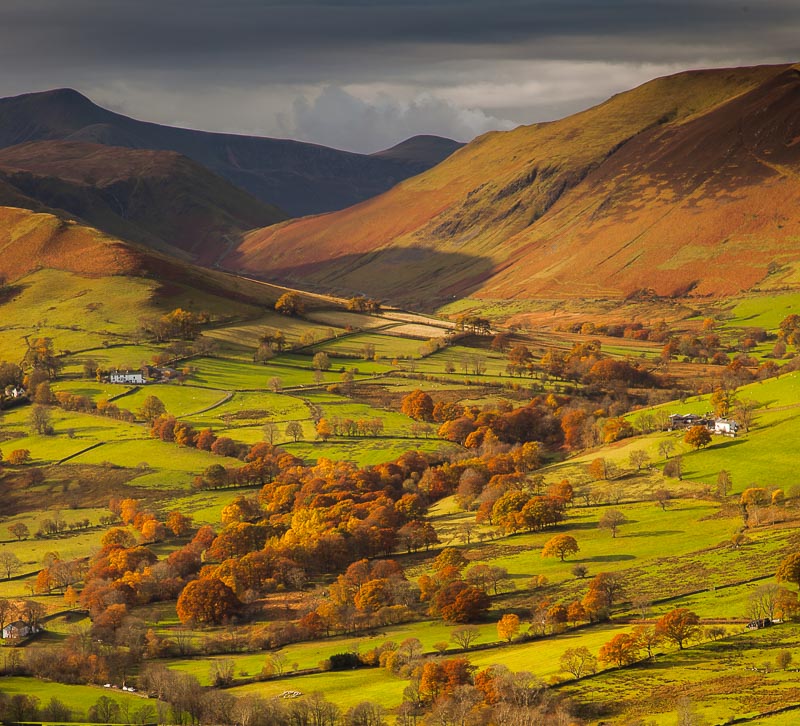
[612, 520]
[9, 563]
[465, 636]
[578, 661]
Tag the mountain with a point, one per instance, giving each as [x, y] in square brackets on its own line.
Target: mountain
[684, 184]
[297, 177]
[158, 198]
[425, 150]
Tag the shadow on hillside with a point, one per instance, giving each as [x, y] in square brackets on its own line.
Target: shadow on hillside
[727, 444]
[655, 533]
[418, 278]
[608, 558]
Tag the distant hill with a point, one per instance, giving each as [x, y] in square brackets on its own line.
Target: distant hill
[424, 150]
[158, 198]
[685, 184]
[299, 178]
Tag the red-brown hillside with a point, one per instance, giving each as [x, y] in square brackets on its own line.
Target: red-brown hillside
[684, 183]
[30, 241]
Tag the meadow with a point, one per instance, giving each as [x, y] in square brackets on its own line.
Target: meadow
[680, 556]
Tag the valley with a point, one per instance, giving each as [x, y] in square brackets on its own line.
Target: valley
[415, 461]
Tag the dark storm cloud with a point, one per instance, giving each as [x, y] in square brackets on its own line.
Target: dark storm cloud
[387, 66]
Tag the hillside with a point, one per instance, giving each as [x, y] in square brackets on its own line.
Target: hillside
[33, 241]
[299, 178]
[642, 190]
[423, 149]
[157, 198]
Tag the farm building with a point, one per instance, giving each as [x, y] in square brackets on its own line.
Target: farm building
[685, 421]
[721, 426]
[134, 377]
[19, 629]
[725, 426]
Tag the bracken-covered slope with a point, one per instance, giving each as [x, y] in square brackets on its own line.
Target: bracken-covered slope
[685, 183]
[32, 241]
[158, 198]
[297, 177]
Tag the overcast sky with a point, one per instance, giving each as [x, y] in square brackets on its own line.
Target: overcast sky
[365, 74]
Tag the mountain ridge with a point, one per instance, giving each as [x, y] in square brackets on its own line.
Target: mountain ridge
[504, 201]
[157, 198]
[298, 177]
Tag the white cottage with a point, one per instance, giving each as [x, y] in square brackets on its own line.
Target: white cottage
[725, 427]
[131, 377]
[19, 629]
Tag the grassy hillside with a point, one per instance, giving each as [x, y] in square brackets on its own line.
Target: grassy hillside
[622, 189]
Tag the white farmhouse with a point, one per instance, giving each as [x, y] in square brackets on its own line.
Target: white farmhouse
[725, 427]
[134, 377]
[19, 629]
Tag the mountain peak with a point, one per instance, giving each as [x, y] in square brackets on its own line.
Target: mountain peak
[423, 148]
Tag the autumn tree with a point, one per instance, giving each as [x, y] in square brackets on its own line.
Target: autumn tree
[678, 626]
[508, 627]
[621, 650]
[612, 520]
[606, 588]
[789, 569]
[208, 601]
[418, 405]
[152, 407]
[178, 523]
[290, 303]
[321, 361]
[458, 602]
[324, 429]
[598, 469]
[697, 437]
[18, 457]
[648, 638]
[560, 546]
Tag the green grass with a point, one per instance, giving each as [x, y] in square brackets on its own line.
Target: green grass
[247, 334]
[344, 688]
[180, 401]
[362, 451]
[717, 677]
[77, 698]
[764, 311]
[385, 346]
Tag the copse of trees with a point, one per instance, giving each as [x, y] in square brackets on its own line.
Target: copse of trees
[290, 303]
[179, 323]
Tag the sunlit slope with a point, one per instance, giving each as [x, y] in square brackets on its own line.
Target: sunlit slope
[531, 211]
[31, 241]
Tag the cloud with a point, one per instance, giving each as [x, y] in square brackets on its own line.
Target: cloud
[461, 66]
[342, 120]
